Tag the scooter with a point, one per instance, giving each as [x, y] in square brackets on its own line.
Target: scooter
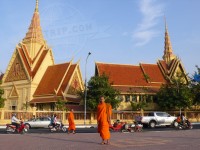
[138, 126]
[10, 128]
[185, 125]
[117, 126]
[132, 127]
[128, 127]
[58, 127]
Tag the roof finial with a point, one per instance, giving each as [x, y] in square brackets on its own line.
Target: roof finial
[165, 24]
[168, 52]
[36, 7]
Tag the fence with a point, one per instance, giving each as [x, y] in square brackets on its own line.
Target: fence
[128, 116]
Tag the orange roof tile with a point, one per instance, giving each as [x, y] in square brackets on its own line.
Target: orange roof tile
[153, 72]
[122, 74]
[67, 78]
[39, 62]
[25, 60]
[51, 79]
[122, 77]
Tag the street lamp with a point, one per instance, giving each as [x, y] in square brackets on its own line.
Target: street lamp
[86, 87]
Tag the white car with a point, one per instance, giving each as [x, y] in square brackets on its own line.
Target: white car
[42, 122]
[158, 119]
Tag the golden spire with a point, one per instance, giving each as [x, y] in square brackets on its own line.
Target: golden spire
[168, 52]
[36, 7]
[34, 37]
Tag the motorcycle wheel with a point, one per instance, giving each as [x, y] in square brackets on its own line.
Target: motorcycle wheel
[27, 127]
[175, 124]
[9, 130]
[64, 129]
[24, 131]
[124, 131]
[132, 130]
[139, 129]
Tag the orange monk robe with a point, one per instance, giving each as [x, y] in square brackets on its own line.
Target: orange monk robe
[103, 119]
[71, 121]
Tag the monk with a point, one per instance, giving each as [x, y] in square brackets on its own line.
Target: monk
[104, 112]
[71, 122]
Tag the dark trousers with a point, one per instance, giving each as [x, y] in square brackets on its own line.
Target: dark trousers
[15, 124]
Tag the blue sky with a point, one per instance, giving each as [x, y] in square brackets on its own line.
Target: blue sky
[114, 31]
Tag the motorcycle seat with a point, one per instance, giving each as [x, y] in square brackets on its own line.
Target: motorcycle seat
[12, 126]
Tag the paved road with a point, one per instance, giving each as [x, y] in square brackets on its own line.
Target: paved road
[94, 130]
[152, 140]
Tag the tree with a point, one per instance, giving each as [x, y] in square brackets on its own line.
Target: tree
[195, 87]
[100, 86]
[60, 105]
[143, 97]
[175, 95]
[2, 100]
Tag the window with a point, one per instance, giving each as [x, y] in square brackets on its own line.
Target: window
[13, 107]
[151, 114]
[40, 107]
[120, 98]
[127, 98]
[134, 98]
[13, 104]
[159, 114]
[52, 106]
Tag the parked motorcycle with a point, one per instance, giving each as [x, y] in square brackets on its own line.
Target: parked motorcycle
[117, 126]
[58, 127]
[10, 128]
[132, 127]
[138, 126]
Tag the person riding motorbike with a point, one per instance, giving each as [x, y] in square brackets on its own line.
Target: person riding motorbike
[184, 120]
[15, 121]
[55, 124]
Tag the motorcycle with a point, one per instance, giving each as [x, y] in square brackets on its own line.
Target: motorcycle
[184, 125]
[117, 126]
[58, 127]
[10, 128]
[132, 127]
[138, 126]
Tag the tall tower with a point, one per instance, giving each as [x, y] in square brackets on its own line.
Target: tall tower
[34, 37]
[168, 52]
[27, 66]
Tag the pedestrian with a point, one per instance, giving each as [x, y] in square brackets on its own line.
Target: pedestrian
[71, 122]
[104, 112]
[138, 119]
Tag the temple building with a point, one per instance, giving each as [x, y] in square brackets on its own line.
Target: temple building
[32, 80]
[138, 81]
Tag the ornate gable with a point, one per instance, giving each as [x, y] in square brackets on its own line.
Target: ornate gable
[74, 85]
[14, 92]
[17, 71]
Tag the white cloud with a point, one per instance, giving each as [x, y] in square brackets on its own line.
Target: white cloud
[151, 10]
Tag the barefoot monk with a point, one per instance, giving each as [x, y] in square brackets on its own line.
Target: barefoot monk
[71, 122]
[104, 111]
